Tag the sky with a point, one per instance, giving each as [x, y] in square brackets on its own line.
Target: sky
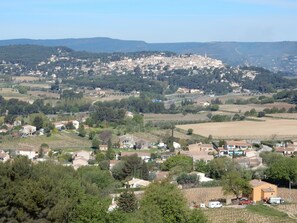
[151, 20]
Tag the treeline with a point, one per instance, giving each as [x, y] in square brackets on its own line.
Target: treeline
[28, 55]
[281, 170]
[16, 107]
[124, 83]
[48, 192]
[142, 104]
[286, 95]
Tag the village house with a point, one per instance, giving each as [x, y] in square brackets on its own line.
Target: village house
[4, 156]
[222, 152]
[286, 151]
[129, 141]
[198, 155]
[249, 162]
[81, 158]
[79, 162]
[161, 175]
[200, 151]
[17, 123]
[59, 125]
[28, 130]
[3, 130]
[201, 147]
[145, 156]
[75, 123]
[239, 147]
[262, 190]
[202, 177]
[137, 183]
[103, 147]
[112, 163]
[62, 124]
[129, 114]
[29, 152]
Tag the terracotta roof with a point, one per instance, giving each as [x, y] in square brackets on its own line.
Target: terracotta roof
[283, 149]
[257, 183]
[269, 189]
[3, 155]
[27, 149]
[238, 143]
[114, 161]
[137, 153]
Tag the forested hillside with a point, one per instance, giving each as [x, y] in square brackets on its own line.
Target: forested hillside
[276, 56]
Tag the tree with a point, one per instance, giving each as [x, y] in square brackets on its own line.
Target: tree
[219, 166]
[201, 166]
[105, 136]
[187, 179]
[185, 163]
[233, 182]
[127, 202]
[283, 171]
[168, 199]
[190, 132]
[41, 150]
[100, 157]
[110, 154]
[117, 171]
[270, 158]
[197, 216]
[92, 135]
[69, 125]
[135, 167]
[261, 114]
[81, 131]
[47, 192]
[38, 122]
[96, 143]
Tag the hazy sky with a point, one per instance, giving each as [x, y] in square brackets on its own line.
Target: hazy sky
[151, 20]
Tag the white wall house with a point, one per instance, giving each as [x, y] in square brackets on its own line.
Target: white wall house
[136, 183]
[75, 124]
[4, 156]
[30, 153]
[28, 129]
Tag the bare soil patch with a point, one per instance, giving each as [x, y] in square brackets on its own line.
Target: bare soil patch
[268, 128]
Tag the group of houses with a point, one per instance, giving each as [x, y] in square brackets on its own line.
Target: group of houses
[286, 148]
[31, 130]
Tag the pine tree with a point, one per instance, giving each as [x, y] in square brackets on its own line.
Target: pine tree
[127, 202]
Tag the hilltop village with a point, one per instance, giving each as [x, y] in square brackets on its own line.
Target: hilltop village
[109, 130]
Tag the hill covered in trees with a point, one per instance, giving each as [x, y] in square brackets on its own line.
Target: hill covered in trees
[276, 56]
[155, 73]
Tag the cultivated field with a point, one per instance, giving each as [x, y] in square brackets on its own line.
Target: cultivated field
[43, 94]
[288, 208]
[33, 85]
[258, 107]
[175, 117]
[62, 140]
[234, 215]
[9, 93]
[26, 78]
[283, 115]
[266, 129]
[290, 196]
[204, 194]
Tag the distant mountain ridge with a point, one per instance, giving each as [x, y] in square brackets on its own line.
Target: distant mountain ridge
[276, 56]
